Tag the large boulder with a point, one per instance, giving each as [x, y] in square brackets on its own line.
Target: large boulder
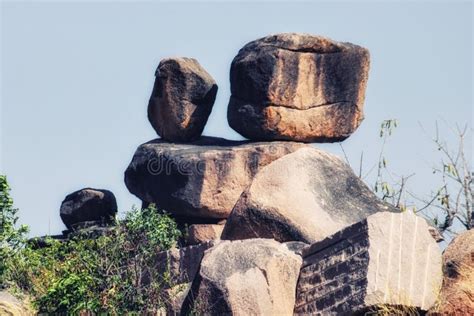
[182, 99]
[298, 87]
[457, 293]
[304, 196]
[250, 277]
[88, 205]
[201, 181]
[386, 262]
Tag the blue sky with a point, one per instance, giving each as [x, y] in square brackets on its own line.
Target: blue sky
[76, 78]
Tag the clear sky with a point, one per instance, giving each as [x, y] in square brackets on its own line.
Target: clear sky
[76, 78]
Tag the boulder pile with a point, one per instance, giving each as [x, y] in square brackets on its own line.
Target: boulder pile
[275, 225]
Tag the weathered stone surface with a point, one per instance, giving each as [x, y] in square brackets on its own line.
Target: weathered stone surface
[88, 205]
[457, 292]
[182, 99]
[296, 246]
[199, 180]
[181, 265]
[387, 258]
[10, 305]
[298, 87]
[250, 277]
[199, 233]
[304, 196]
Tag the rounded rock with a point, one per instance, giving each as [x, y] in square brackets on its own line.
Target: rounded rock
[88, 205]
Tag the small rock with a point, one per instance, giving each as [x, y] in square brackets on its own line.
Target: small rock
[298, 87]
[199, 180]
[88, 205]
[457, 293]
[304, 196]
[249, 277]
[199, 233]
[182, 99]
[386, 260]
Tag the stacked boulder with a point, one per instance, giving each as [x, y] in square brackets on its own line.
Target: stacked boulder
[277, 226]
[298, 87]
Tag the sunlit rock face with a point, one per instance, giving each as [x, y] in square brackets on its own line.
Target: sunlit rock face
[245, 277]
[200, 181]
[298, 87]
[304, 196]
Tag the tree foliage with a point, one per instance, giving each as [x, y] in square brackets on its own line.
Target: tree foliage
[12, 237]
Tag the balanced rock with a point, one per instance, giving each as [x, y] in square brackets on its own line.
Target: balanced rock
[88, 205]
[199, 180]
[182, 99]
[304, 196]
[200, 233]
[457, 293]
[386, 260]
[250, 277]
[298, 87]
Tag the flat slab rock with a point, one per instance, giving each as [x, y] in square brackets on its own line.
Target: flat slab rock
[249, 277]
[202, 179]
[305, 196]
[387, 259]
[298, 87]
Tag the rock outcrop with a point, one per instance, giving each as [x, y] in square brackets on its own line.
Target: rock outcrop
[182, 99]
[250, 277]
[388, 259]
[304, 196]
[457, 293]
[302, 234]
[199, 180]
[88, 205]
[298, 87]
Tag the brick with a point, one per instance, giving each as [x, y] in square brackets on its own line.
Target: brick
[388, 258]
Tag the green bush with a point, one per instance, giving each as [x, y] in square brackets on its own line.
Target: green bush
[12, 238]
[114, 273]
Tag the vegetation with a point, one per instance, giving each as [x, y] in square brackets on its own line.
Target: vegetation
[111, 273]
[448, 204]
[11, 237]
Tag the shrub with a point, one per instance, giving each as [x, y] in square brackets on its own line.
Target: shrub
[12, 238]
[113, 273]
